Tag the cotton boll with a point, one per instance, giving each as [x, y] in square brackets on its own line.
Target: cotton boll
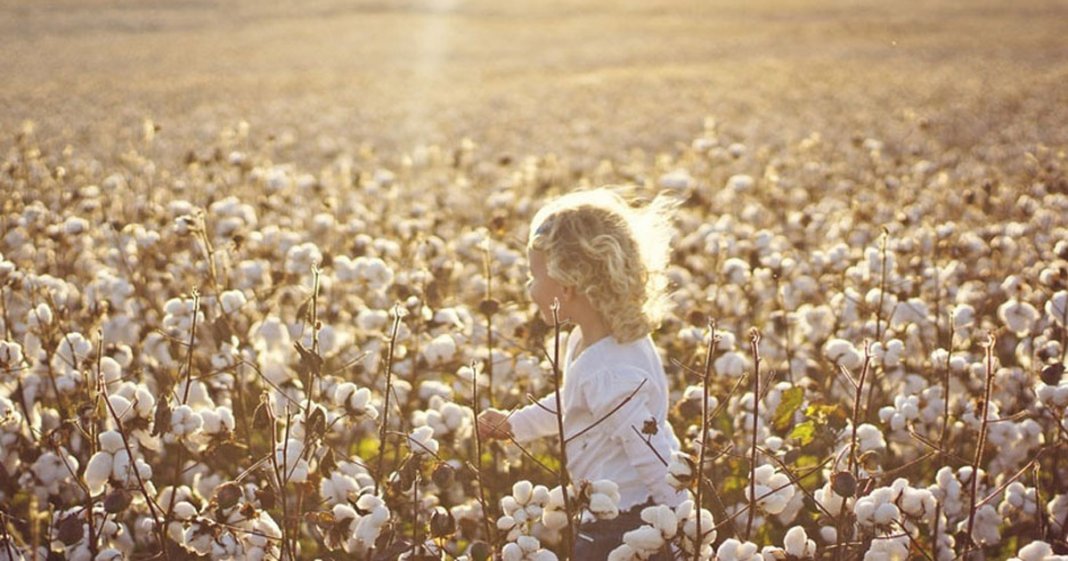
[986, 530]
[39, 316]
[843, 353]
[232, 301]
[869, 437]
[110, 441]
[542, 555]
[528, 544]
[606, 486]
[540, 495]
[217, 421]
[522, 491]
[97, 471]
[644, 539]
[730, 364]
[796, 543]
[10, 354]
[662, 518]
[1018, 316]
[603, 506]
[772, 489]
[885, 514]
[509, 505]
[421, 440]
[370, 320]
[1057, 308]
[511, 552]
[888, 549]
[680, 470]
[739, 183]
[914, 310]
[736, 271]
[918, 503]
[963, 316]
[623, 553]
[185, 421]
[553, 519]
[300, 258]
[520, 516]
[1035, 551]
[687, 514]
[453, 416]
[734, 550]
[677, 180]
[440, 350]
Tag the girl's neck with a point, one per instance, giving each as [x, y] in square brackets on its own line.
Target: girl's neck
[593, 330]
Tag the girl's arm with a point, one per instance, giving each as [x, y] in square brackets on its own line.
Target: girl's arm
[536, 420]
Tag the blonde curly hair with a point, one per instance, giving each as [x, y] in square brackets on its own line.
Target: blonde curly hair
[612, 252]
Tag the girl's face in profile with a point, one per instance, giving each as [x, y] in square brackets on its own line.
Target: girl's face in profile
[542, 288]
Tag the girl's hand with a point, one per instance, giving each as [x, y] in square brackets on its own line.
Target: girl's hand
[494, 424]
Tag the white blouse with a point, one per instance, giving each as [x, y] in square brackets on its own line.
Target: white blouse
[595, 383]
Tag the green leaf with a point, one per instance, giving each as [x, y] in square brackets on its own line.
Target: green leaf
[788, 406]
[804, 432]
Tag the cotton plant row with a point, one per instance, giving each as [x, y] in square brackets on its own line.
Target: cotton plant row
[252, 418]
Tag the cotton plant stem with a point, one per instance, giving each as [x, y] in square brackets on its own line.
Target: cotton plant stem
[884, 280]
[854, 464]
[754, 346]
[945, 428]
[314, 374]
[565, 479]
[380, 472]
[478, 455]
[129, 452]
[488, 273]
[713, 340]
[979, 448]
[192, 343]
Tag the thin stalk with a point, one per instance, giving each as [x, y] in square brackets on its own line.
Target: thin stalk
[979, 449]
[945, 427]
[882, 288]
[185, 397]
[713, 340]
[884, 276]
[565, 479]
[416, 533]
[314, 374]
[209, 251]
[478, 454]
[192, 341]
[137, 474]
[787, 343]
[489, 309]
[388, 389]
[1064, 333]
[854, 466]
[754, 347]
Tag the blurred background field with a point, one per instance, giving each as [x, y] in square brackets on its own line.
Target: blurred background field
[581, 79]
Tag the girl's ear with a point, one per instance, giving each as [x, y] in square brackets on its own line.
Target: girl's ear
[568, 292]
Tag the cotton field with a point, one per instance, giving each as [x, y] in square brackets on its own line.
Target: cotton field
[221, 341]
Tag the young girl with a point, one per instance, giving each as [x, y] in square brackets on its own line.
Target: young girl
[602, 262]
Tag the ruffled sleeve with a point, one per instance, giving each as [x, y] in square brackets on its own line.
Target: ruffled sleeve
[608, 394]
[603, 390]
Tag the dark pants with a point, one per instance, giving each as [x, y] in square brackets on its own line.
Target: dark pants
[597, 539]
